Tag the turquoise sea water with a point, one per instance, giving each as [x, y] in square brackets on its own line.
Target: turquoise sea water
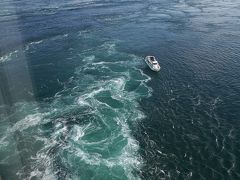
[77, 100]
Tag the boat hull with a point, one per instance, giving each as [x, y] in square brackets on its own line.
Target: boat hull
[156, 69]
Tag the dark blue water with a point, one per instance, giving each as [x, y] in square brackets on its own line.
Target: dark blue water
[77, 100]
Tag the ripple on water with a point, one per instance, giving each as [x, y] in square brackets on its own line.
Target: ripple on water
[84, 131]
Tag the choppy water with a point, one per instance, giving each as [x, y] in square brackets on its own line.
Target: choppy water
[78, 102]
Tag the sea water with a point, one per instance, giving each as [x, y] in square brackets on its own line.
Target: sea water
[78, 102]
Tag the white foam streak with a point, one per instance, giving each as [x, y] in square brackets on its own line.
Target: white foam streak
[29, 121]
[77, 132]
[8, 56]
[89, 58]
[82, 102]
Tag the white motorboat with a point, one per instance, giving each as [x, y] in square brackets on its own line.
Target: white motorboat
[152, 63]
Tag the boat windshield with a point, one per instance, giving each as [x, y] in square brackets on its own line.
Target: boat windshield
[155, 63]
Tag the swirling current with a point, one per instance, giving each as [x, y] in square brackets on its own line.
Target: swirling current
[77, 101]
